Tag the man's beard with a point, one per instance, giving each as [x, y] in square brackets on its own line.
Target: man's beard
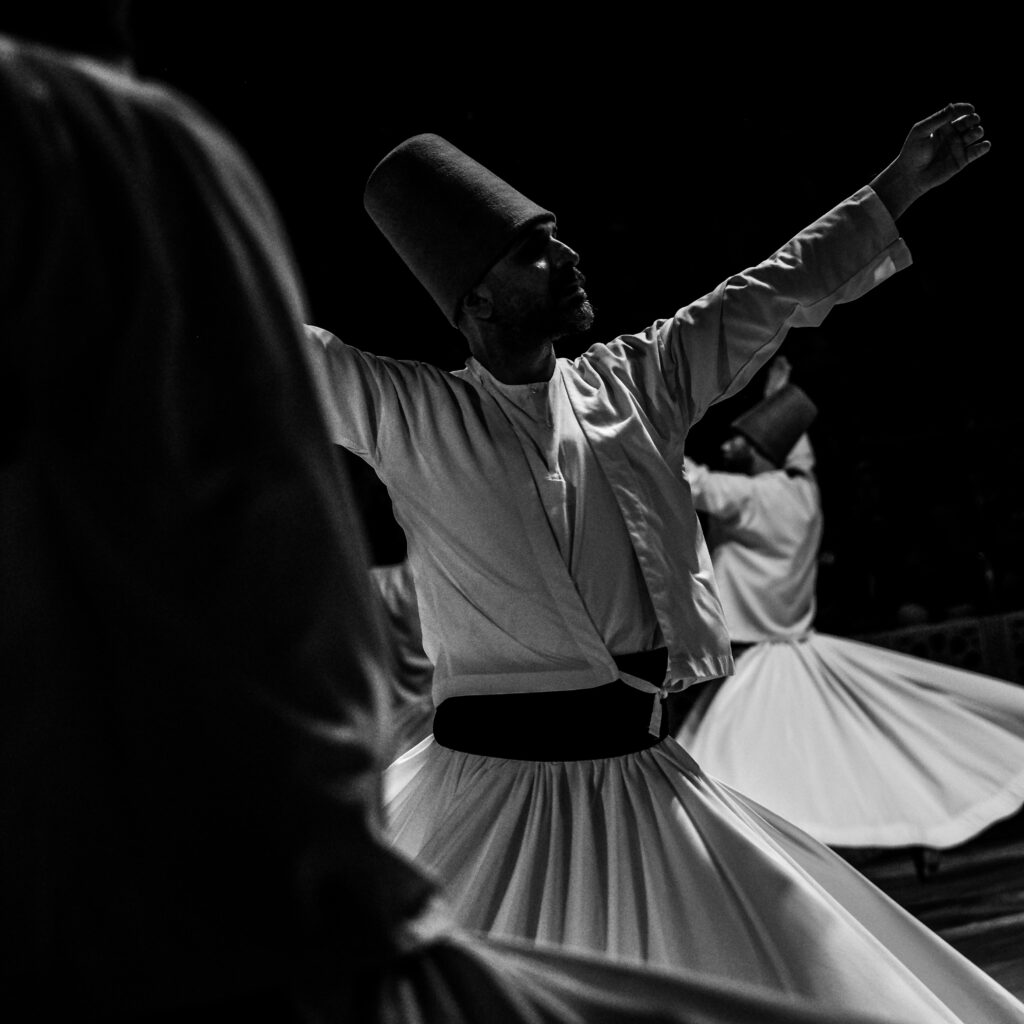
[529, 329]
[569, 320]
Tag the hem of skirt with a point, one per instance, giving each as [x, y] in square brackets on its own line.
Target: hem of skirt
[950, 832]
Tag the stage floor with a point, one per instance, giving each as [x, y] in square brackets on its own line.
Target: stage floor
[973, 896]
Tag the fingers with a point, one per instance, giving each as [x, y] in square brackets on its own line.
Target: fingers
[971, 135]
[966, 130]
[976, 150]
[967, 133]
[969, 128]
[947, 115]
[967, 123]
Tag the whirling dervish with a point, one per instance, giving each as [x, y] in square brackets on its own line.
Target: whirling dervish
[856, 744]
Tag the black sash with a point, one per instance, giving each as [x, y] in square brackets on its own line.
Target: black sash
[558, 725]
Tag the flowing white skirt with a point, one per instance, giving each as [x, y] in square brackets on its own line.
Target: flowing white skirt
[455, 978]
[862, 746]
[647, 859]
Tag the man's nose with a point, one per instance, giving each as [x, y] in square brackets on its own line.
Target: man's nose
[564, 255]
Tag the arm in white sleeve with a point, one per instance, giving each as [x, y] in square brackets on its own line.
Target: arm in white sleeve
[351, 386]
[711, 348]
[719, 494]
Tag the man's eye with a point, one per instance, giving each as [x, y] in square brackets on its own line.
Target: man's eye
[531, 251]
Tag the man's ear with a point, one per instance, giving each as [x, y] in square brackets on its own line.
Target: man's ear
[478, 303]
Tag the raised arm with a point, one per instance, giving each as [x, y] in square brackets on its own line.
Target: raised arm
[713, 347]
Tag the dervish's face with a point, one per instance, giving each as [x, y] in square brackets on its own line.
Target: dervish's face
[536, 289]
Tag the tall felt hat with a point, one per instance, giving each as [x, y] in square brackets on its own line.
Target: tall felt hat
[774, 425]
[448, 217]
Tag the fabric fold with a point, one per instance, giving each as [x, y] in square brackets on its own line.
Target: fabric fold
[862, 746]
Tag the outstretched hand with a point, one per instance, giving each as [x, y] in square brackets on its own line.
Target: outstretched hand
[934, 151]
[944, 144]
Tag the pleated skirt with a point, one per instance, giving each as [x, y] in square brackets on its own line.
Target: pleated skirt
[453, 977]
[862, 746]
[647, 859]
[461, 979]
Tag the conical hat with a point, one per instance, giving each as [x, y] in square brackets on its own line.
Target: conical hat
[774, 425]
[448, 217]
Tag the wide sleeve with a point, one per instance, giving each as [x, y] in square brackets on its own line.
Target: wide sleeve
[711, 348]
[352, 389]
[677, 368]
